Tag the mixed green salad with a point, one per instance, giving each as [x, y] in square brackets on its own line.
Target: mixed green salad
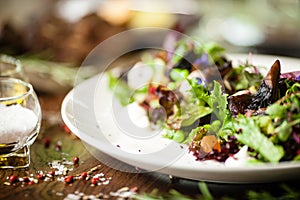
[199, 98]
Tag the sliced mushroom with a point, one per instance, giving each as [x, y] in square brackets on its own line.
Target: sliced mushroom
[267, 94]
[239, 102]
[268, 90]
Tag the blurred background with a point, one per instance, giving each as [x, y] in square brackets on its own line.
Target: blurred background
[59, 34]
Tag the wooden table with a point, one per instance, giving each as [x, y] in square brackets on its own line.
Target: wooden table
[112, 180]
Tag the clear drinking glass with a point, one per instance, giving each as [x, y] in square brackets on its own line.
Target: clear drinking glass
[11, 67]
[20, 121]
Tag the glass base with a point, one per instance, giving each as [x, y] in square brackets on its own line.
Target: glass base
[16, 160]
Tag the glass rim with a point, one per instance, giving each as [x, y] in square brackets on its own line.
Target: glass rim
[16, 81]
[12, 61]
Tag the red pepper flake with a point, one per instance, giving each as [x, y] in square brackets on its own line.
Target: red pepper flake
[69, 179]
[40, 176]
[118, 146]
[51, 173]
[83, 175]
[13, 178]
[30, 183]
[94, 180]
[76, 160]
[25, 179]
[47, 142]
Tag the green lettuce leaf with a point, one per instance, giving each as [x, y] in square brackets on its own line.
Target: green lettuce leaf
[120, 89]
[218, 101]
[251, 136]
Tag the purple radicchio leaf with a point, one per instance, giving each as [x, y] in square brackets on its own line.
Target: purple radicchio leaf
[294, 76]
[296, 137]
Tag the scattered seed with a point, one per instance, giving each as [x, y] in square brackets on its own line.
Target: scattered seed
[100, 195]
[7, 183]
[59, 173]
[26, 179]
[94, 181]
[72, 197]
[40, 176]
[105, 182]
[83, 175]
[123, 189]
[69, 179]
[65, 171]
[59, 194]
[86, 197]
[48, 179]
[47, 142]
[123, 193]
[13, 178]
[93, 169]
[76, 160]
[51, 173]
[102, 179]
[35, 180]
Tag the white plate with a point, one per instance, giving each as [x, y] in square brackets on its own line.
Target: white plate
[93, 114]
